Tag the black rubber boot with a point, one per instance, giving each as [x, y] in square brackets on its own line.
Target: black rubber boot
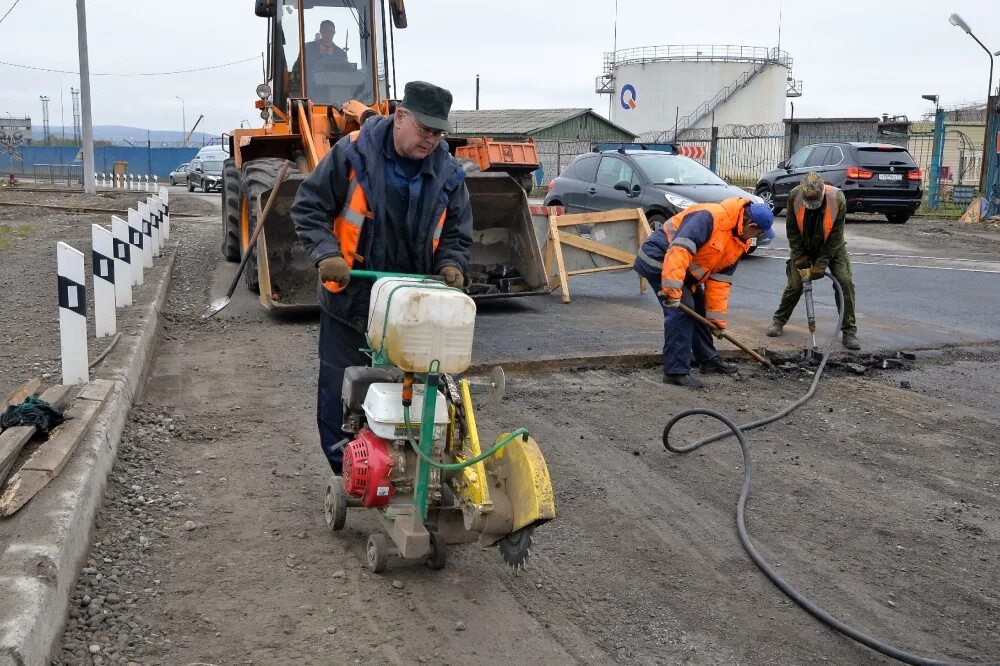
[683, 380]
[717, 366]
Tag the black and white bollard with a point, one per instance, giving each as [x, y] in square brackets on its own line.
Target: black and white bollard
[103, 265]
[154, 224]
[135, 241]
[147, 234]
[123, 262]
[165, 198]
[156, 206]
[72, 315]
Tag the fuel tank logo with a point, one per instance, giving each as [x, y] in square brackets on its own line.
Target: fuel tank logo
[627, 97]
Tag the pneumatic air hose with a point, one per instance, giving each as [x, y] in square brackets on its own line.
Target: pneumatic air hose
[758, 559]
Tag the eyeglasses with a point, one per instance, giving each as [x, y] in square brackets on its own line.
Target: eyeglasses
[425, 131]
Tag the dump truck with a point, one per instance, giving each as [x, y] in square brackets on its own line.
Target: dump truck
[328, 70]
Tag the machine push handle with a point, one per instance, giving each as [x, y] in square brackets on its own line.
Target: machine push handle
[375, 275]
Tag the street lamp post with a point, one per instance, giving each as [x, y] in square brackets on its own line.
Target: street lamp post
[184, 124]
[956, 20]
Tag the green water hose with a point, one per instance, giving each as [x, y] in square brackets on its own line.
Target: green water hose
[454, 467]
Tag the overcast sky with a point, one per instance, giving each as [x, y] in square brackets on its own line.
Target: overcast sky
[855, 58]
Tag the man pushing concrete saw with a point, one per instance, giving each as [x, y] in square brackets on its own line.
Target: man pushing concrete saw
[386, 198]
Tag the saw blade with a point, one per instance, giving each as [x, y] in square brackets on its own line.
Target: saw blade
[516, 546]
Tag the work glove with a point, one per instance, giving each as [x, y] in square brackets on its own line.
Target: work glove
[801, 262]
[815, 273]
[669, 302]
[334, 269]
[720, 328]
[452, 277]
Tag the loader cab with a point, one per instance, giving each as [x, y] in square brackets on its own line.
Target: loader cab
[323, 50]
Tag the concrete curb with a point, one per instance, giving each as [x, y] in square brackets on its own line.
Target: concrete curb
[50, 537]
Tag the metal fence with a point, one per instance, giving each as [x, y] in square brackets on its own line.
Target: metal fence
[58, 174]
[741, 154]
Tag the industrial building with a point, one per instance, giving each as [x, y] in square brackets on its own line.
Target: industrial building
[655, 89]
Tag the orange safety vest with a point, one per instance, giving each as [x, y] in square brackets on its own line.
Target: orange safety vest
[829, 215]
[348, 224]
[723, 249]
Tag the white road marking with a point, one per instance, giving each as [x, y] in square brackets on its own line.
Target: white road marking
[993, 266]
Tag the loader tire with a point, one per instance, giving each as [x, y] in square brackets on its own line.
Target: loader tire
[258, 177]
[230, 211]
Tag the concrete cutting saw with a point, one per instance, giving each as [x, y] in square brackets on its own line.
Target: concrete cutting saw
[416, 457]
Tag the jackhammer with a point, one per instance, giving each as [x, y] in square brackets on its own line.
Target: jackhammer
[807, 290]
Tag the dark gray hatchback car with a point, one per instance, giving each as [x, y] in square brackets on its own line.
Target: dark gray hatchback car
[662, 184]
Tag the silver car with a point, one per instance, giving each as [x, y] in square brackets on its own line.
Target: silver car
[180, 174]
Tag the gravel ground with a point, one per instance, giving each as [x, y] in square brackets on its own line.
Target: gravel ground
[877, 500]
[29, 312]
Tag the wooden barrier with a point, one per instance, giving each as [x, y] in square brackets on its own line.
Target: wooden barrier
[616, 257]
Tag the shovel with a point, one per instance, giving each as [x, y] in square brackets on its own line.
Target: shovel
[722, 333]
[220, 303]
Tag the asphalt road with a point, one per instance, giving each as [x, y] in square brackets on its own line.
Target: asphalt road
[911, 292]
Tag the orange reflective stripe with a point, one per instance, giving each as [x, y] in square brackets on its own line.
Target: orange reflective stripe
[348, 224]
[829, 214]
[439, 229]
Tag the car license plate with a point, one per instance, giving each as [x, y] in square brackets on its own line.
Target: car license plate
[753, 242]
[890, 176]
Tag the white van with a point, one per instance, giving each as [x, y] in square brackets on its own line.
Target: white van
[212, 153]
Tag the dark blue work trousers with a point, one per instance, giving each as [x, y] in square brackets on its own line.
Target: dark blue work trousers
[682, 335]
[339, 348]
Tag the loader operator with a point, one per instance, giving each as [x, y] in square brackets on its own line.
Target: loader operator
[815, 226]
[322, 49]
[691, 260]
[386, 198]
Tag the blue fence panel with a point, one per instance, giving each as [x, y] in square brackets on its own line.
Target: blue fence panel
[157, 162]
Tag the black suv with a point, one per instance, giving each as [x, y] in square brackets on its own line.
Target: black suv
[875, 177]
[206, 174]
[661, 183]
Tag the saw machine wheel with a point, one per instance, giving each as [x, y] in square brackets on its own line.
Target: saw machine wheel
[516, 546]
[335, 504]
[377, 552]
[439, 550]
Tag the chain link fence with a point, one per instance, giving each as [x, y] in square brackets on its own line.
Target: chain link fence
[741, 154]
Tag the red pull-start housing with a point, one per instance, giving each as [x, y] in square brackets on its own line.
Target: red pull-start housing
[367, 469]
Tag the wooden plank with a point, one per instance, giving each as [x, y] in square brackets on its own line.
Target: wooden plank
[620, 215]
[597, 248]
[602, 269]
[12, 440]
[641, 236]
[557, 250]
[17, 396]
[52, 455]
[49, 459]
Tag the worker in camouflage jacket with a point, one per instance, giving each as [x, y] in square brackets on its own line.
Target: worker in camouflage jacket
[815, 221]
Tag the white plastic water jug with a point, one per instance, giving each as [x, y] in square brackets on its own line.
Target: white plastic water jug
[425, 322]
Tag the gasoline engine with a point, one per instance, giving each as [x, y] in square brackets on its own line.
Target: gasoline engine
[415, 455]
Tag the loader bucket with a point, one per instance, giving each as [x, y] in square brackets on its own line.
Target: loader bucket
[505, 260]
[286, 273]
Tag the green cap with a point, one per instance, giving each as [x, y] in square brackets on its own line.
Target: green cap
[812, 190]
[429, 103]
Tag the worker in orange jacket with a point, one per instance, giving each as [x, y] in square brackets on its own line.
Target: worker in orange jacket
[691, 259]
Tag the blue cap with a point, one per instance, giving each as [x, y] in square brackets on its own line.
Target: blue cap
[761, 215]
